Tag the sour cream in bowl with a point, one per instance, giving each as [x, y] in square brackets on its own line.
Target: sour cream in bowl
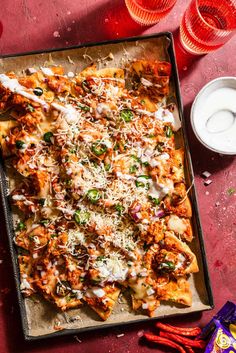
[213, 115]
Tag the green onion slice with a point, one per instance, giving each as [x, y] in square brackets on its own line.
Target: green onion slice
[166, 266]
[20, 226]
[93, 195]
[85, 108]
[155, 200]
[47, 137]
[168, 131]
[99, 148]
[126, 115]
[120, 209]
[19, 144]
[133, 169]
[81, 217]
[42, 202]
[142, 181]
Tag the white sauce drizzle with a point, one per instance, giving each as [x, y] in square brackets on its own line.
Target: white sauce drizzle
[167, 117]
[14, 86]
[99, 292]
[70, 114]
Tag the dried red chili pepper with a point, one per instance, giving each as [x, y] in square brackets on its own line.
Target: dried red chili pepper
[183, 340]
[164, 342]
[189, 349]
[188, 331]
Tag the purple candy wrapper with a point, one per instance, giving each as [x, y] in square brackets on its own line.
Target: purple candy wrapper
[223, 326]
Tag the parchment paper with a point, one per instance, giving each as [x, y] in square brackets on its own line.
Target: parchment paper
[42, 317]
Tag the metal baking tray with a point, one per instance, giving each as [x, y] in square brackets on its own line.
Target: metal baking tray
[201, 280]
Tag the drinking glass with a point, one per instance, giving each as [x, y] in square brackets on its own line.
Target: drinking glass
[207, 25]
[149, 12]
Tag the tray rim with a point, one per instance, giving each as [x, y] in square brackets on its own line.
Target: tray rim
[7, 210]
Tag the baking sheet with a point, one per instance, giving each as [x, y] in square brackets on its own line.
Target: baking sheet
[40, 318]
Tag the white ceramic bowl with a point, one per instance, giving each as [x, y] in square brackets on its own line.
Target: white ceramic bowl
[212, 115]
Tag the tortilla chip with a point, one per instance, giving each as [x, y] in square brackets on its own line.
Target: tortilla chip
[104, 306]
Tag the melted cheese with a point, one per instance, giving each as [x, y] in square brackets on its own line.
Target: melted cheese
[159, 190]
[25, 285]
[177, 224]
[181, 261]
[112, 268]
[167, 117]
[139, 287]
[75, 238]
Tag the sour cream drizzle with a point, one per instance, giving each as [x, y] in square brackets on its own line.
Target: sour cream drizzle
[70, 114]
[14, 86]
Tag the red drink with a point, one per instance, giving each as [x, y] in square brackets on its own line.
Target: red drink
[207, 25]
[149, 12]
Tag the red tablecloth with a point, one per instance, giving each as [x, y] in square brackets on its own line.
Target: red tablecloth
[27, 25]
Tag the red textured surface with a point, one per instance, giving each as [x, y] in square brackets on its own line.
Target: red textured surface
[27, 25]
